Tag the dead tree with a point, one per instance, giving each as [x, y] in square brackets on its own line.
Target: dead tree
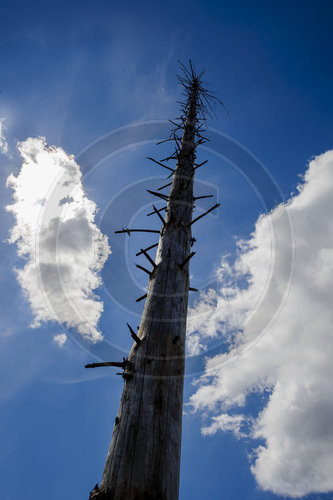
[143, 460]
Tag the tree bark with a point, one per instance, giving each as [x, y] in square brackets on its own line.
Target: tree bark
[143, 460]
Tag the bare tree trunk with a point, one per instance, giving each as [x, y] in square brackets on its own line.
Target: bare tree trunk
[143, 461]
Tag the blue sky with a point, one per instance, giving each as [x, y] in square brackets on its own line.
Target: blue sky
[76, 72]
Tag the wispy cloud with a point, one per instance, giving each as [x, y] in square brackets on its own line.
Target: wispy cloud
[3, 142]
[55, 233]
[226, 423]
[147, 94]
[292, 362]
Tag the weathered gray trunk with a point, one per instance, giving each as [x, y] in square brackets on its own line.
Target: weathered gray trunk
[143, 461]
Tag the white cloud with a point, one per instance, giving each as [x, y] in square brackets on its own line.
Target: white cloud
[290, 361]
[55, 233]
[3, 142]
[226, 423]
[60, 339]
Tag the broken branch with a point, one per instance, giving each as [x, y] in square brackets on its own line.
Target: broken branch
[200, 164]
[128, 231]
[166, 185]
[159, 163]
[201, 197]
[159, 210]
[134, 335]
[148, 248]
[187, 259]
[148, 257]
[118, 364]
[159, 195]
[141, 298]
[203, 215]
[160, 216]
[143, 269]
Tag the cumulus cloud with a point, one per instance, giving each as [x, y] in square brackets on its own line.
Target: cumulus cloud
[3, 142]
[287, 360]
[60, 339]
[55, 233]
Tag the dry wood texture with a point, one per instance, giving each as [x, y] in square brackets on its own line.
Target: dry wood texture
[143, 460]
